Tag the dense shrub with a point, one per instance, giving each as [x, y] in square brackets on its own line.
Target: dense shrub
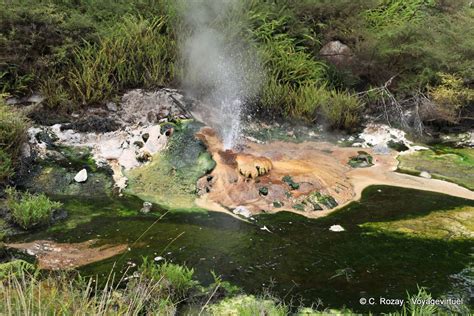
[343, 111]
[447, 100]
[30, 210]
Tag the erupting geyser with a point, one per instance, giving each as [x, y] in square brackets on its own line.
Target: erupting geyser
[224, 74]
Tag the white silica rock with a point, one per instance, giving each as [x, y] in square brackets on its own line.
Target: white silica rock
[81, 176]
[242, 211]
[336, 228]
[425, 174]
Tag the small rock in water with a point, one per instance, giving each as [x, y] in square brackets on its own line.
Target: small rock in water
[158, 258]
[146, 207]
[242, 211]
[336, 228]
[425, 174]
[81, 176]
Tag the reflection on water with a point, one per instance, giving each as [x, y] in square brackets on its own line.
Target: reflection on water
[300, 257]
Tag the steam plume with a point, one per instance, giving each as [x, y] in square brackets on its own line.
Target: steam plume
[218, 71]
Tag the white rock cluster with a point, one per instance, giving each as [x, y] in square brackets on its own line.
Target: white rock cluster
[128, 147]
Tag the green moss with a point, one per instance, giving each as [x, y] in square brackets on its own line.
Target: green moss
[445, 163]
[289, 180]
[457, 223]
[398, 146]
[277, 204]
[169, 180]
[362, 160]
[299, 207]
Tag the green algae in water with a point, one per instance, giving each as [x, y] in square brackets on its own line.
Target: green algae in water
[55, 175]
[442, 162]
[299, 250]
[457, 223]
[169, 180]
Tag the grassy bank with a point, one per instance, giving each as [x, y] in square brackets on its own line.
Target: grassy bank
[82, 53]
[154, 289]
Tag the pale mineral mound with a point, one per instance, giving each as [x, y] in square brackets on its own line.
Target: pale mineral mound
[266, 177]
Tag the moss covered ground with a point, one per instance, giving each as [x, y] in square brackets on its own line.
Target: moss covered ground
[169, 180]
[446, 163]
[457, 223]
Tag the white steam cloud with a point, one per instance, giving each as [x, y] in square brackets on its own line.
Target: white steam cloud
[222, 73]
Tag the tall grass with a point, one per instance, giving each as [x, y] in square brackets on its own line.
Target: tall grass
[62, 295]
[13, 125]
[152, 290]
[135, 54]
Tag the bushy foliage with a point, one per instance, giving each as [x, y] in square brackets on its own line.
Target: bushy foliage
[85, 52]
[30, 210]
[447, 99]
[343, 111]
[175, 281]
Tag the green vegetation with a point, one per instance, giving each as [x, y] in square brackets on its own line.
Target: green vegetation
[248, 305]
[446, 163]
[149, 292]
[362, 160]
[168, 181]
[30, 210]
[6, 167]
[174, 280]
[85, 52]
[289, 180]
[13, 125]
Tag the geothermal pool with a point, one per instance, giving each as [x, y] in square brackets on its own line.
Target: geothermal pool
[295, 257]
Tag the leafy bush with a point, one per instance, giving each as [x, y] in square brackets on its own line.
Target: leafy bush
[447, 99]
[30, 210]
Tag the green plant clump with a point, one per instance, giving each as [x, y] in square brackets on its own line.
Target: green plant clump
[289, 180]
[175, 281]
[30, 210]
